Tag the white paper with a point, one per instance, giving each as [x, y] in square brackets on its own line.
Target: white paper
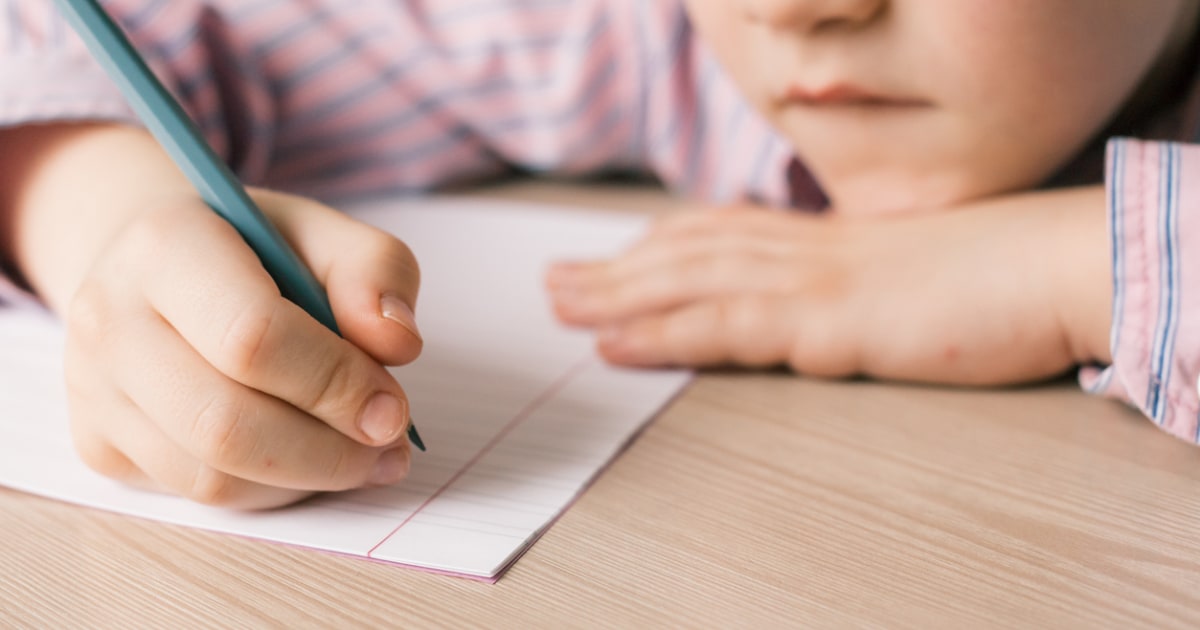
[518, 412]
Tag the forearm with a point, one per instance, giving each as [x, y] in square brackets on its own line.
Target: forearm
[1003, 290]
[1043, 262]
[66, 190]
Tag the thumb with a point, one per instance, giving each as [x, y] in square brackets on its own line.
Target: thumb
[371, 277]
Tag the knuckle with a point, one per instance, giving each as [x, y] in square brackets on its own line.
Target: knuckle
[336, 393]
[345, 469]
[386, 247]
[100, 456]
[144, 237]
[616, 295]
[744, 324]
[832, 283]
[78, 379]
[821, 352]
[244, 344]
[88, 315]
[740, 317]
[212, 487]
[221, 433]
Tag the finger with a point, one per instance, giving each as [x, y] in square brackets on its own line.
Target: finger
[237, 430]
[744, 218]
[99, 454]
[583, 275]
[99, 412]
[672, 272]
[655, 252]
[751, 331]
[233, 315]
[372, 278]
[87, 406]
[673, 282]
[154, 463]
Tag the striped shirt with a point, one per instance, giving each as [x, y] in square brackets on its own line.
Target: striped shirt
[338, 100]
[344, 99]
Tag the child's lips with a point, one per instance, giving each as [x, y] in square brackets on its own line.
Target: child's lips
[843, 95]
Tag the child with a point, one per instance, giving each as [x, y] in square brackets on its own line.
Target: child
[945, 158]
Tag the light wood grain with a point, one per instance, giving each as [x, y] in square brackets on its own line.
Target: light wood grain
[757, 500]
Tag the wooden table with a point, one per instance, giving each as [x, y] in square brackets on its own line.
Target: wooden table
[757, 500]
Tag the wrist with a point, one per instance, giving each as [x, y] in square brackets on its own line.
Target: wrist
[64, 196]
[1082, 273]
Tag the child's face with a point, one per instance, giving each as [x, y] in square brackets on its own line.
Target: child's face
[897, 104]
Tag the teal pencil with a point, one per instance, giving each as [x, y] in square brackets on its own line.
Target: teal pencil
[217, 185]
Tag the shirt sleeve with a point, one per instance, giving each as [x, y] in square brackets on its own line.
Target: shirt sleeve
[1154, 224]
[47, 75]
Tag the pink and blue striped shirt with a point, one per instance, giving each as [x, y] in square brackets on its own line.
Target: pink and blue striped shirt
[338, 100]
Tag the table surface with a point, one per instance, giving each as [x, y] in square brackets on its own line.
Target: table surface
[757, 499]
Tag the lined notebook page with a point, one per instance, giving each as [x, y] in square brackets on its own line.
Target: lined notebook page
[518, 413]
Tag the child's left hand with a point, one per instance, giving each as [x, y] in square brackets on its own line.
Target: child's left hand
[1008, 290]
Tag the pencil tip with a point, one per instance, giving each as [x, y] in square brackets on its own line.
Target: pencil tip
[415, 437]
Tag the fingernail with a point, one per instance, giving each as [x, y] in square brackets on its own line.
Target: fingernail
[383, 418]
[392, 466]
[397, 310]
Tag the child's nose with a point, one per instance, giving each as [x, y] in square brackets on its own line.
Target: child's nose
[813, 15]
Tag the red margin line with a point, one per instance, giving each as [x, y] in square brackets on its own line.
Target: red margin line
[516, 420]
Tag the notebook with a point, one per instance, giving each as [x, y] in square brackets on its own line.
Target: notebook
[519, 413]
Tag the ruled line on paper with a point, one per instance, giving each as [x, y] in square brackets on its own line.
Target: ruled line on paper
[482, 517]
[550, 391]
[515, 533]
[514, 475]
[447, 468]
[483, 500]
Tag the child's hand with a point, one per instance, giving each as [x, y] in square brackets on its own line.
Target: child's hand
[188, 372]
[1004, 291]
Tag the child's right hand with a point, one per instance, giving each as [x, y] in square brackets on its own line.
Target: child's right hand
[188, 372]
